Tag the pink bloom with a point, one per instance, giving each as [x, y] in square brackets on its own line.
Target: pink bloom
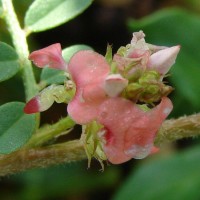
[90, 72]
[50, 56]
[129, 131]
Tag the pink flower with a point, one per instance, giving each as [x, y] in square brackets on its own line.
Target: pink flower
[129, 132]
[102, 94]
[50, 56]
[90, 72]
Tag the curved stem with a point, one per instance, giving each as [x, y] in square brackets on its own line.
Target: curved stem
[20, 44]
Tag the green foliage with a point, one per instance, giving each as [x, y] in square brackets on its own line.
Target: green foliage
[16, 127]
[54, 76]
[9, 64]
[172, 177]
[63, 181]
[172, 27]
[43, 15]
[1, 10]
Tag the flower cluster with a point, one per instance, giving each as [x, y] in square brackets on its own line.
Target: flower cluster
[124, 94]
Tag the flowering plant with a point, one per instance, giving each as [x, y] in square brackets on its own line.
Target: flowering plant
[119, 99]
[119, 93]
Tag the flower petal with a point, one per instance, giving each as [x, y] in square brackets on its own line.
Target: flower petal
[50, 56]
[87, 67]
[114, 84]
[88, 70]
[130, 130]
[163, 60]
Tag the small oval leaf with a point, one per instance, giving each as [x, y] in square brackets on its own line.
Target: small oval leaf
[15, 126]
[43, 15]
[9, 64]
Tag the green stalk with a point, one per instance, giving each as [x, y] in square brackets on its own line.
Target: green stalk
[49, 132]
[21, 47]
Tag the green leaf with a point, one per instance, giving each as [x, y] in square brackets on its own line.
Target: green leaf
[15, 126]
[70, 51]
[54, 76]
[67, 180]
[166, 27]
[173, 177]
[43, 15]
[9, 64]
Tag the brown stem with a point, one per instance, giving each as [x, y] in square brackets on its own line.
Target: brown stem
[176, 129]
[24, 159]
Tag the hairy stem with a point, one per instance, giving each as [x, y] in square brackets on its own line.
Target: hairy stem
[41, 157]
[21, 47]
[175, 129]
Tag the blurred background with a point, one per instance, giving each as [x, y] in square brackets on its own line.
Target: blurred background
[171, 174]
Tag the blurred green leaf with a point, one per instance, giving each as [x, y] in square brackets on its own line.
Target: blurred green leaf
[172, 27]
[172, 177]
[1, 10]
[70, 51]
[54, 76]
[63, 181]
[15, 126]
[9, 64]
[43, 15]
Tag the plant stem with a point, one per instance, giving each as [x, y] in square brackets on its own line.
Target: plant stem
[41, 157]
[49, 132]
[176, 129]
[20, 44]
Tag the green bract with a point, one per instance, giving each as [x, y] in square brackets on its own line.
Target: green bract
[15, 126]
[9, 64]
[43, 15]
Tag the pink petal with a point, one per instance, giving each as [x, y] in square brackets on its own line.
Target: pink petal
[87, 67]
[114, 84]
[50, 56]
[116, 116]
[88, 70]
[84, 106]
[130, 130]
[139, 143]
[163, 60]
